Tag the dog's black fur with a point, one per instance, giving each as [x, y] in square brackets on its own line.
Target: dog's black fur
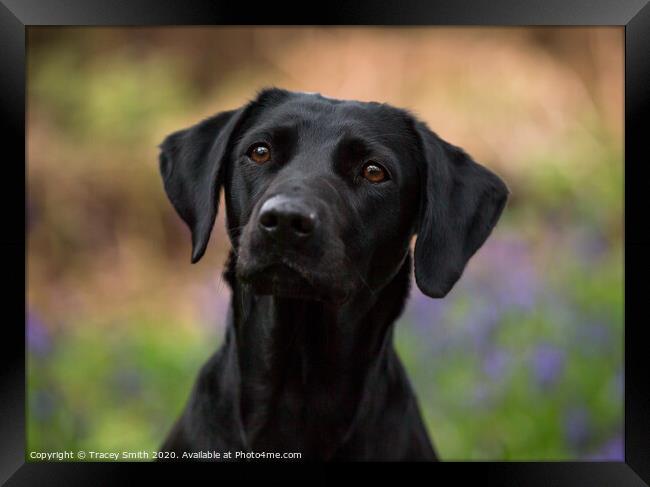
[308, 364]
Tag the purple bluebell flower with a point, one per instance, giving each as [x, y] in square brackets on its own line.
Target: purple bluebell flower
[520, 289]
[548, 364]
[39, 341]
[495, 364]
[594, 336]
[612, 450]
[577, 427]
[425, 312]
[428, 319]
[590, 244]
[504, 273]
[482, 396]
[618, 384]
[42, 404]
[481, 324]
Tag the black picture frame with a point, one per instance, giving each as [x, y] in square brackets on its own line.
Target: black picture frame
[633, 15]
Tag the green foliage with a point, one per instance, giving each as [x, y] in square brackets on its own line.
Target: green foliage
[117, 390]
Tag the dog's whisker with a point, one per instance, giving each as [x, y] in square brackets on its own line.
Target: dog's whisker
[363, 281]
[236, 229]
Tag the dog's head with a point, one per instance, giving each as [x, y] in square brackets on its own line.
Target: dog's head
[323, 196]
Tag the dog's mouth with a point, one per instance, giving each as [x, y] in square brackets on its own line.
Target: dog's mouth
[285, 279]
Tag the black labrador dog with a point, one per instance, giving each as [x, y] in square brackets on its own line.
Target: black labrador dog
[323, 197]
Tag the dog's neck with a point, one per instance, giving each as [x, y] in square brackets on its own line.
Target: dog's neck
[305, 366]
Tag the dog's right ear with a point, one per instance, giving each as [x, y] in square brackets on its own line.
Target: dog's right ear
[461, 203]
[191, 162]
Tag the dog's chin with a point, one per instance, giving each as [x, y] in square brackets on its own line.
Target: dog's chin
[285, 281]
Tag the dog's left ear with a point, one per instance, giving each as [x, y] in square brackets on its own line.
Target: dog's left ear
[461, 202]
[191, 162]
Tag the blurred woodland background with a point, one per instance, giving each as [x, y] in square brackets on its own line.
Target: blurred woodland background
[522, 361]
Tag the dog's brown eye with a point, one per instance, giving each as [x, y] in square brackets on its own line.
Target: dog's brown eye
[374, 173]
[259, 153]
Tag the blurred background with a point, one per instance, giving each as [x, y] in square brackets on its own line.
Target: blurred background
[521, 361]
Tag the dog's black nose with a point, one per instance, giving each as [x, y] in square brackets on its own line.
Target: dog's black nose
[287, 219]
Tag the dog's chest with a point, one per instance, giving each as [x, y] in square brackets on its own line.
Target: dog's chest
[297, 397]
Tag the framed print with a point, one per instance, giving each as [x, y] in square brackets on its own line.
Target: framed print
[417, 236]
